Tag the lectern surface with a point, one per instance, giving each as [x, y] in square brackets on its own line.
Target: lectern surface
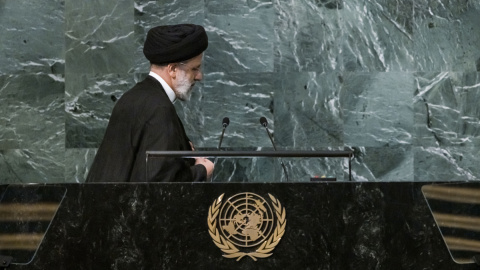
[321, 225]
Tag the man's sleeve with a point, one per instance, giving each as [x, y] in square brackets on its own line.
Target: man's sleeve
[163, 132]
[199, 173]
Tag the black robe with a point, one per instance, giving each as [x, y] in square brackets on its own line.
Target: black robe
[144, 119]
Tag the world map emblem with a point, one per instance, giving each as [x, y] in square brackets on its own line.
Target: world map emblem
[246, 225]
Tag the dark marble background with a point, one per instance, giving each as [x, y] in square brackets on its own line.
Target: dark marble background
[395, 81]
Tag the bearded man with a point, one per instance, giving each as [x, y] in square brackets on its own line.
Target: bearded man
[144, 118]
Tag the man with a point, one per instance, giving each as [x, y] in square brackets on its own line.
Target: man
[144, 118]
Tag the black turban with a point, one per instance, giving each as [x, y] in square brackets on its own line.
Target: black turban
[174, 43]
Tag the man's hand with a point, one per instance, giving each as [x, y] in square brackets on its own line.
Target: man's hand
[207, 164]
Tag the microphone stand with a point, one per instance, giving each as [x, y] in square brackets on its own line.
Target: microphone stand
[264, 123]
[225, 123]
[221, 136]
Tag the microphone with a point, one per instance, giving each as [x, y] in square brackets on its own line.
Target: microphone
[225, 124]
[264, 123]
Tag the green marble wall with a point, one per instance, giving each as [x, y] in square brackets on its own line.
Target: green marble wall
[395, 81]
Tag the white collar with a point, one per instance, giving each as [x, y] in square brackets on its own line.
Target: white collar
[171, 95]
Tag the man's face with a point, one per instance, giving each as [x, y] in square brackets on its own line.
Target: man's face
[187, 74]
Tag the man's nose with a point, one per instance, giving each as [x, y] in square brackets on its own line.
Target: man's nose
[199, 76]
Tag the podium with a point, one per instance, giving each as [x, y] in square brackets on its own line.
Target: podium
[320, 225]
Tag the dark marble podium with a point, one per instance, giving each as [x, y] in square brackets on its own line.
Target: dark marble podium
[330, 225]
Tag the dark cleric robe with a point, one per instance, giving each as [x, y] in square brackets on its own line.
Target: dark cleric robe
[144, 119]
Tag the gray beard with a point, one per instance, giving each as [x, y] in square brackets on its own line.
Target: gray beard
[184, 88]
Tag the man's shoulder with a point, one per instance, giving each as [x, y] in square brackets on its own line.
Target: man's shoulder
[143, 100]
[147, 91]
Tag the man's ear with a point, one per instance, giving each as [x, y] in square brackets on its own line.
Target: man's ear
[172, 70]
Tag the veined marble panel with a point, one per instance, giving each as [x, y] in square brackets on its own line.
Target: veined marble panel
[263, 169]
[149, 14]
[246, 170]
[31, 111]
[451, 163]
[31, 36]
[447, 34]
[377, 35]
[240, 36]
[243, 98]
[32, 137]
[304, 169]
[32, 165]
[89, 103]
[390, 163]
[307, 36]
[307, 110]
[377, 108]
[396, 81]
[308, 117]
[99, 36]
[446, 109]
[77, 164]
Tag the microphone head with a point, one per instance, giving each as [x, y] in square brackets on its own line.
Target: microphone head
[225, 122]
[263, 121]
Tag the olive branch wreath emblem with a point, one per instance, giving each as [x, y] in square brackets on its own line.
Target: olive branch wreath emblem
[264, 250]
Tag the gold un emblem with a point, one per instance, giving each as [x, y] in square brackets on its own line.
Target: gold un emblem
[246, 225]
